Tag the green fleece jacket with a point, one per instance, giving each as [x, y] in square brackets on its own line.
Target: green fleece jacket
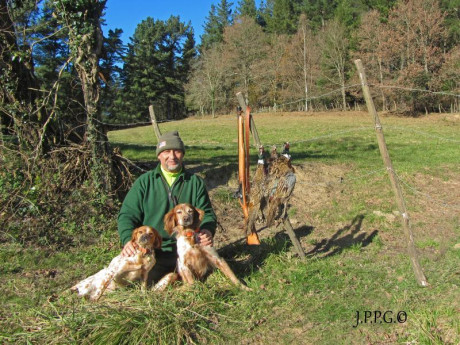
[150, 198]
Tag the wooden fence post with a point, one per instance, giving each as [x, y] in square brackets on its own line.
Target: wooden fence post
[255, 134]
[393, 178]
[295, 241]
[154, 122]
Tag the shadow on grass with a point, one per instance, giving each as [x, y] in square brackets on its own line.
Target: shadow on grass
[215, 175]
[245, 259]
[347, 237]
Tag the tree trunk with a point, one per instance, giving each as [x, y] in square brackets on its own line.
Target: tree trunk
[85, 41]
[18, 92]
[96, 134]
[344, 98]
[305, 70]
[213, 105]
[384, 105]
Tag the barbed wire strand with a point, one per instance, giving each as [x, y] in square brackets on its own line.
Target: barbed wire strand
[414, 90]
[320, 137]
[341, 180]
[302, 100]
[380, 171]
[265, 145]
[427, 196]
[383, 171]
[422, 132]
[133, 124]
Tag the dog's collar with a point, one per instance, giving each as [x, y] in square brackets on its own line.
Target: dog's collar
[190, 233]
[144, 251]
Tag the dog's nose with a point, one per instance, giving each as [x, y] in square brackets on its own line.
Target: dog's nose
[185, 220]
[144, 238]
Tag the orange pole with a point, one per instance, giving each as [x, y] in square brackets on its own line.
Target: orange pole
[247, 130]
[242, 177]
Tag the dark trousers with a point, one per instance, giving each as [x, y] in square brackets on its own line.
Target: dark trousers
[166, 263]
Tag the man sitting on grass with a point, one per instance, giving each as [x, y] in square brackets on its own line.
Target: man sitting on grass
[155, 193]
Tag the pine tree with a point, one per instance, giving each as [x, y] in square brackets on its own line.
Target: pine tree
[57, 74]
[284, 16]
[318, 12]
[451, 7]
[219, 18]
[247, 8]
[349, 12]
[383, 6]
[212, 32]
[156, 68]
[188, 55]
[265, 13]
[18, 83]
[224, 13]
[112, 58]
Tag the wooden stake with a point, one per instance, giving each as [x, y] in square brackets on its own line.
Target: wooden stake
[290, 231]
[154, 122]
[252, 125]
[393, 178]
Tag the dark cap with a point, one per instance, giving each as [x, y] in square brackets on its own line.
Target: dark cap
[170, 141]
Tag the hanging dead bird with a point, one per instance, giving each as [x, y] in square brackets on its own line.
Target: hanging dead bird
[271, 190]
[285, 152]
[257, 193]
[279, 186]
[273, 154]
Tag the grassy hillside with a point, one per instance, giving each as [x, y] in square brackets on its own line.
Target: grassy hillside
[343, 212]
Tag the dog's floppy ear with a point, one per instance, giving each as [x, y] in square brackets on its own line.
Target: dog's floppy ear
[134, 234]
[158, 241]
[170, 221]
[197, 217]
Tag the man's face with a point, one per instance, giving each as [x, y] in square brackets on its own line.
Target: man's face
[171, 160]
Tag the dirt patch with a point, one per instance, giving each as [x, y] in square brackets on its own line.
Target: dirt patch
[317, 185]
[325, 213]
[435, 209]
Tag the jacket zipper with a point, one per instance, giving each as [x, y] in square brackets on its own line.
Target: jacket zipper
[172, 198]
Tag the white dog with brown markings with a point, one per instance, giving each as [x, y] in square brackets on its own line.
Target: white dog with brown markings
[194, 261]
[124, 269]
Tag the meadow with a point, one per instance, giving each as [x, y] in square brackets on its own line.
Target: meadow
[356, 285]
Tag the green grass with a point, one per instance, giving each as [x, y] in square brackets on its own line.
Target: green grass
[413, 143]
[292, 301]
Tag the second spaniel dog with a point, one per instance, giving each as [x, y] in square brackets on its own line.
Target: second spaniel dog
[194, 261]
[124, 269]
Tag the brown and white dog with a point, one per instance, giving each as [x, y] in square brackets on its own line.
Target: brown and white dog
[124, 269]
[194, 261]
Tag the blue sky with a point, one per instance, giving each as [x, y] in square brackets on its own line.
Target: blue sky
[127, 14]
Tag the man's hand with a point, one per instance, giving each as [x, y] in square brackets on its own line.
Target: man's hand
[204, 238]
[129, 249]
